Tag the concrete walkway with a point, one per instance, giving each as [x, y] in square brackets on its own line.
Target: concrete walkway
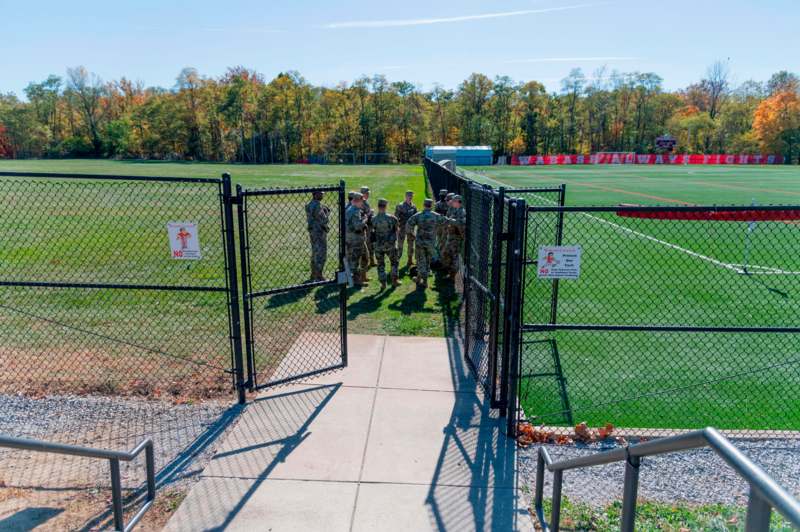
[400, 440]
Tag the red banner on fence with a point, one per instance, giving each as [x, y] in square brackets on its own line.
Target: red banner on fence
[721, 215]
[647, 158]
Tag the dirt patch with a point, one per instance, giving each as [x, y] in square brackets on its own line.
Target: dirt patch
[39, 373]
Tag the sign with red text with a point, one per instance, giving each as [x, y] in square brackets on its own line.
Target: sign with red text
[559, 262]
[184, 240]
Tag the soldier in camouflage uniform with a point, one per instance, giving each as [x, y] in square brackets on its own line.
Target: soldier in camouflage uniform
[355, 224]
[368, 261]
[317, 218]
[403, 212]
[454, 236]
[385, 229]
[426, 224]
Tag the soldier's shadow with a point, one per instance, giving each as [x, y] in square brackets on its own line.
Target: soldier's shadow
[413, 303]
[368, 304]
[327, 298]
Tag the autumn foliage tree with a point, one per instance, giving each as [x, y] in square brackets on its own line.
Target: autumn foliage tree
[5, 149]
[243, 116]
[776, 123]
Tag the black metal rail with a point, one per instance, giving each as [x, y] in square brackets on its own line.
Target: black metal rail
[114, 458]
[765, 493]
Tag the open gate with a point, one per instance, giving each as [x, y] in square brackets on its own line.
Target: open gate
[295, 326]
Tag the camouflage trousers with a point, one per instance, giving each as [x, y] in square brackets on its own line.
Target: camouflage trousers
[354, 251]
[382, 251]
[319, 252]
[401, 238]
[441, 239]
[451, 252]
[368, 252]
[425, 254]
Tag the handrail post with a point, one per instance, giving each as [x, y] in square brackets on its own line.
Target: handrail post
[555, 520]
[630, 492]
[116, 495]
[758, 512]
[150, 463]
[540, 466]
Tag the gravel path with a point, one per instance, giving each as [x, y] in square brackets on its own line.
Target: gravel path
[696, 476]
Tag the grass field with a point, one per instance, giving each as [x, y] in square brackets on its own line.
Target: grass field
[123, 342]
[665, 273]
[642, 272]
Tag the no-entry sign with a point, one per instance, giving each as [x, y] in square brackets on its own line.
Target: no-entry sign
[559, 262]
[184, 242]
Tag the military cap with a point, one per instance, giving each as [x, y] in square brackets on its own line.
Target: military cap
[350, 195]
[382, 202]
[443, 192]
[365, 190]
[457, 197]
[428, 202]
[450, 196]
[358, 195]
[409, 192]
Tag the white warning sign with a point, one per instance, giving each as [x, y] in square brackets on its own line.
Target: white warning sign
[184, 240]
[559, 262]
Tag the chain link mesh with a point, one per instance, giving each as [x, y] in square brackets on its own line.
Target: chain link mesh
[106, 339]
[295, 321]
[673, 324]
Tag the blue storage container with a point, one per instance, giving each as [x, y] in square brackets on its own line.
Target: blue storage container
[462, 155]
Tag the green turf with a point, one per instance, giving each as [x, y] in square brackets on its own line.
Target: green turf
[655, 272]
[79, 232]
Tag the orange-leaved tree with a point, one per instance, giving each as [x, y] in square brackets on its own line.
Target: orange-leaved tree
[5, 144]
[776, 123]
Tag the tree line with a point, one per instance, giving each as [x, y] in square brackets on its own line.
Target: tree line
[243, 117]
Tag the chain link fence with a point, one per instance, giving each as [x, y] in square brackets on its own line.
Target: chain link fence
[108, 336]
[681, 318]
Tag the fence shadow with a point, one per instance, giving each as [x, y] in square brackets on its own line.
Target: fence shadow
[182, 466]
[474, 484]
[263, 439]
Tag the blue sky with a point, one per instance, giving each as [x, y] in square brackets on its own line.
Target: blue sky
[422, 42]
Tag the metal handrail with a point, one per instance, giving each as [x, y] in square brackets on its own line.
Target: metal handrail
[765, 493]
[114, 458]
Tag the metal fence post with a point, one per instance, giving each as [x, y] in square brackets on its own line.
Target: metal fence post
[233, 288]
[497, 400]
[465, 288]
[244, 252]
[559, 239]
[516, 261]
[342, 286]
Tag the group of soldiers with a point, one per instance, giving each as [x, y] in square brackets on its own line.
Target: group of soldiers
[436, 233]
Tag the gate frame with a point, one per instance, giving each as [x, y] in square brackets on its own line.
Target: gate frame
[248, 294]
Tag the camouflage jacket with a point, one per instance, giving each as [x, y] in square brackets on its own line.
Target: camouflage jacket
[317, 216]
[368, 213]
[458, 224]
[403, 212]
[426, 223]
[441, 207]
[354, 224]
[385, 227]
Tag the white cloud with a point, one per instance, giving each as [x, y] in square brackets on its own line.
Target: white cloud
[445, 20]
[571, 60]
